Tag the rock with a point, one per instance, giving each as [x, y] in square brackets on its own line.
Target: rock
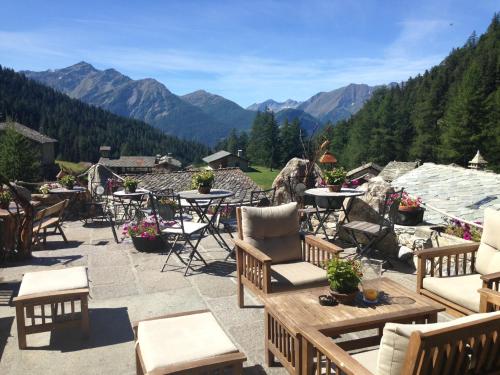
[292, 174]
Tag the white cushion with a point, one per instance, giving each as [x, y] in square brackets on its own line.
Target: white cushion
[368, 359]
[190, 227]
[488, 254]
[396, 338]
[461, 290]
[298, 273]
[171, 341]
[54, 281]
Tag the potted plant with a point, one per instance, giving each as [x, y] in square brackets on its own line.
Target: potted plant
[68, 181]
[5, 198]
[144, 234]
[203, 181]
[130, 184]
[344, 276]
[410, 210]
[335, 178]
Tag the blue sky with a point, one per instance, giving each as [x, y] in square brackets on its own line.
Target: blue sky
[246, 51]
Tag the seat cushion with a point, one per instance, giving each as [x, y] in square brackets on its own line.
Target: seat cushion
[396, 338]
[368, 359]
[54, 281]
[488, 254]
[461, 290]
[274, 231]
[298, 273]
[172, 341]
[190, 227]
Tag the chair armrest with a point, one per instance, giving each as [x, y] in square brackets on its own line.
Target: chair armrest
[490, 300]
[322, 244]
[447, 250]
[490, 279]
[325, 346]
[252, 250]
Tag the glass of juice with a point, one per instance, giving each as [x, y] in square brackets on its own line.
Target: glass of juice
[370, 282]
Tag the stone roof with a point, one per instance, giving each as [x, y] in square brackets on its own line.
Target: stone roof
[28, 132]
[219, 155]
[226, 178]
[170, 160]
[394, 169]
[129, 162]
[365, 167]
[458, 191]
[478, 159]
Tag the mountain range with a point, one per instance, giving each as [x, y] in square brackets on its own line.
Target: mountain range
[200, 115]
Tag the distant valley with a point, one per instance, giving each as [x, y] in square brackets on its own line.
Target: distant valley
[191, 116]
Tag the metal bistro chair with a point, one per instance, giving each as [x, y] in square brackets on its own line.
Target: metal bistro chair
[375, 232]
[305, 212]
[181, 228]
[262, 198]
[326, 206]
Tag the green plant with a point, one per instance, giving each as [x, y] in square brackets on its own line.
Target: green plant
[5, 197]
[344, 275]
[130, 183]
[67, 181]
[336, 176]
[202, 179]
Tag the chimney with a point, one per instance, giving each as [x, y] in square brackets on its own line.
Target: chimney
[104, 151]
[169, 157]
[240, 153]
[157, 158]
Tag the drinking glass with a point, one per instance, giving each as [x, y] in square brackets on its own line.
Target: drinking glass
[370, 282]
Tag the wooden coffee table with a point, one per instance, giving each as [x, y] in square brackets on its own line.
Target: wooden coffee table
[286, 314]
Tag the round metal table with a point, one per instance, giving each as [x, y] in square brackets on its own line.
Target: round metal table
[131, 202]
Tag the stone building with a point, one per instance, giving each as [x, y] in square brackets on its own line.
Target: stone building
[225, 159]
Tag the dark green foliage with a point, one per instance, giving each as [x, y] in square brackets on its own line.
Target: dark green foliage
[442, 116]
[344, 275]
[81, 128]
[18, 161]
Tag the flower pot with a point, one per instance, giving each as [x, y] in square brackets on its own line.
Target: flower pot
[204, 189]
[69, 186]
[410, 216]
[4, 205]
[147, 245]
[131, 189]
[344, 298]
[334, 188]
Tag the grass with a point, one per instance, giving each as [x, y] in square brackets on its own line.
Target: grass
[73, 168]
[262, 176]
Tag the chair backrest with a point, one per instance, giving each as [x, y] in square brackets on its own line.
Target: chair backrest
[56, 209]
[164, 207]
[488, 253]
[390, 208]
[273, 230]
[262, 198]
[468, 348]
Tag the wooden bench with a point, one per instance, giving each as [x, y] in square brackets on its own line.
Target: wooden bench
[50, 217]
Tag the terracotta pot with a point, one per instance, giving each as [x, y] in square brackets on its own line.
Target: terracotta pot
[334, 188]
[204, 189]
[346, 299]
[407, 209]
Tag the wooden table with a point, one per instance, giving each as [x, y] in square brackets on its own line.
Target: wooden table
[10, 220]
[286, 314]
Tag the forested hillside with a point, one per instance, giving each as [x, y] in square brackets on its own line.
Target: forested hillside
[443, 116]
[81, 128]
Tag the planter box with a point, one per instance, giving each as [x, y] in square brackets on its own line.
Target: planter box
[410, 218]
[149, 246]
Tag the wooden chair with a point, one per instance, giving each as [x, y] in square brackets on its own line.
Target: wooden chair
[272, 255]
[49, 218]
[469, 345]
[452, 275]
[49, 300]
[158, 351]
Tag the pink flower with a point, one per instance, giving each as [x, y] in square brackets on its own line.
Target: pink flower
[467, 236]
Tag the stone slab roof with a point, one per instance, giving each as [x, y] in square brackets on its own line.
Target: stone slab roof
[129, 162]
[458, 191]
[219, 155]
[227, 178]
[394, 169]
[28, 132]
[364, 167]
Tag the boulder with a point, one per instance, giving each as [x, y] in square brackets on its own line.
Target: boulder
[292, 174]
[367, 208]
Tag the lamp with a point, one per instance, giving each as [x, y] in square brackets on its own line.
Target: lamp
[327, 158]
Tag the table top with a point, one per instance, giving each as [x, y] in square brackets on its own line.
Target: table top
[301, 307]
[124, 194]
[214, 194]
[63, 190]
[325, 192]
[12, 208]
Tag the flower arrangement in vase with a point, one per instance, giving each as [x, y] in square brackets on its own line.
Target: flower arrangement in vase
[344, 276]
[335, 178]
[144, 233]
[68, 181]
[203, 181]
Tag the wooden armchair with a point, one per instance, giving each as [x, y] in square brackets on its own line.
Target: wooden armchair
[452, 275]
[271, 254]
[468, 345]
[49, 218]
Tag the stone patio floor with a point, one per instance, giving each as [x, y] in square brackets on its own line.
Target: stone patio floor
[126, 286]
